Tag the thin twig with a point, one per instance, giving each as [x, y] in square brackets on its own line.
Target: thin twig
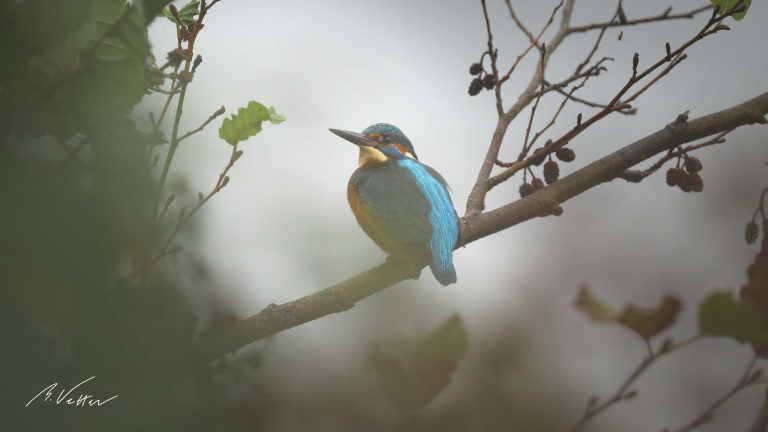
[526, 145]
[494, 54]
[637, 176]
[661, 17]
[624, 393]
[534, 42]
[185, 217]
[743, 382]
[614, 105]
[213, 116]
[476, 198]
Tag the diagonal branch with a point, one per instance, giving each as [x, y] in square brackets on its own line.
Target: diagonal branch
[340, 297]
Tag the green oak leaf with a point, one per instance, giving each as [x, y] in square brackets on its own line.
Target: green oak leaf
[187, 13]
[247, 122]
[725, 5]
[720, 315]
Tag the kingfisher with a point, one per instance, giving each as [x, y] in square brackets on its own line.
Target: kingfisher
[403, 205]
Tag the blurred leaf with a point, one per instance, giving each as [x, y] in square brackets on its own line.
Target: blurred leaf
[447, 342]
[725, 5]
[187, 13]
[721, 315]
[274, 117]
[413, 371]
[45, 23]
[153, 8]
[120, 32]
[645, 322]
[247, 122]
[650, 322]
[95, 73]
[595, 309]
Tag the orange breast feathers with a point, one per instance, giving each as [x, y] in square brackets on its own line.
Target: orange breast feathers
[367, 220]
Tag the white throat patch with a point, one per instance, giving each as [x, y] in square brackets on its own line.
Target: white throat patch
[370, 154]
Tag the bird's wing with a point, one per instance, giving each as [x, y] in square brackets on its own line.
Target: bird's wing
[390, 207]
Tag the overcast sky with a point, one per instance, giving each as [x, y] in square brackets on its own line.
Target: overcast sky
[282, 228]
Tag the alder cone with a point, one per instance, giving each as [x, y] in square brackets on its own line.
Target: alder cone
[565, 154]
[551, 172]
[751, 232]
[525, 190]
[692, 164]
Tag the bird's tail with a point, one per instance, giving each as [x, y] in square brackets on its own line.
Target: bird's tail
[444, 272]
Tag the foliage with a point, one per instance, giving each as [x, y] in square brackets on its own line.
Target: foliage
[414, 370]
[645, 322]
[187, 13]
[721, 315]
[247, 122]
[726, 5]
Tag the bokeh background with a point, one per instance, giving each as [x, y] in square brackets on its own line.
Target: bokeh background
[282, 228]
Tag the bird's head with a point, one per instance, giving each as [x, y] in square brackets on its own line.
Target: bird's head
[379, 142]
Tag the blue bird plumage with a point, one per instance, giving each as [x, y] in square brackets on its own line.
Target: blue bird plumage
[402, 204]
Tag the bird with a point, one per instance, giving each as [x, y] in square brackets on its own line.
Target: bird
[403, 205]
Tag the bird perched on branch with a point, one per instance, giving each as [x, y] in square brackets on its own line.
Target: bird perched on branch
[403, 205]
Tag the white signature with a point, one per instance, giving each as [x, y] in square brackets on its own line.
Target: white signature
[82, 399]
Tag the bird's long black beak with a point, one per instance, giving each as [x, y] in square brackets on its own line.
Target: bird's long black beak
[356, 138]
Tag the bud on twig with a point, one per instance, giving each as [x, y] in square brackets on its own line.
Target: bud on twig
[175, 13]
[669, 52]
[635, 62]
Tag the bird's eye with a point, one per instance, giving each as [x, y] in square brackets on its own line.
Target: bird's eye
[386, 139]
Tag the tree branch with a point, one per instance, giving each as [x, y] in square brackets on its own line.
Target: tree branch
[666, 16]
[342, 296]
[476, 199]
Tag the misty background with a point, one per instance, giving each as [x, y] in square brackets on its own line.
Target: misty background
[282, 228]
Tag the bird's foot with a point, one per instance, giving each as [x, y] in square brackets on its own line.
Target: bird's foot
[408, 263]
